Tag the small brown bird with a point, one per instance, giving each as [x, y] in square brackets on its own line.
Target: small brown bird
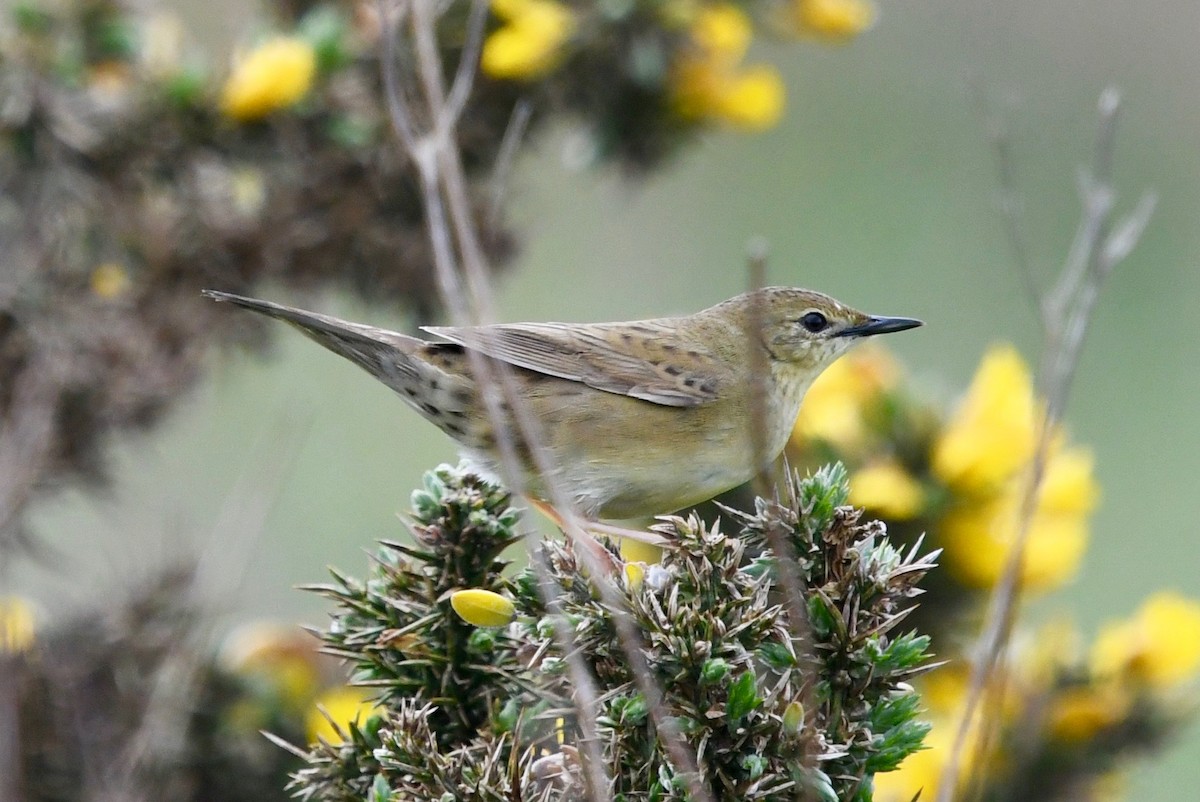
[638, 418]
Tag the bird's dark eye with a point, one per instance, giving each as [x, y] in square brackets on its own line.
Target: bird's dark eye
[814, 322]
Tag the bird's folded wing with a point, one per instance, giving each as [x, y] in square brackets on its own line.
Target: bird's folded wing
[638, 360]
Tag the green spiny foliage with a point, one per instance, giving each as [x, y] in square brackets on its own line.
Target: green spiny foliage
[858, 590]
[397, 629]
[773, 708]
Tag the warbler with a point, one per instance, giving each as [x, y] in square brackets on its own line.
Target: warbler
[637, 418]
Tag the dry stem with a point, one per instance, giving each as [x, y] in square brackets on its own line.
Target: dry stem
[452, 228]
[1065, 312]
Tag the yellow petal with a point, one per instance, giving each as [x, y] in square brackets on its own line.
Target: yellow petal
[109, 281]
[834, 407]
[637, 551]
[978, 538]
[723, 32]
[275, 75]
[886, 489]
[635, 574]
[16, 625]
[793, 718]
[344, 705]
[1068, 486]
[753, 99]
[483, 608]
[1159, 646]
[696, 86]
[835, 20]
[1080, 714]
[530, 44]
[990, 437]
[284, 657]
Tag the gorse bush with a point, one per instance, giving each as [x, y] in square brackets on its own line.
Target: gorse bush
[490, 712]
[1062, 718]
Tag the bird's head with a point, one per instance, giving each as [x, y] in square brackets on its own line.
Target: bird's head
[806, 331]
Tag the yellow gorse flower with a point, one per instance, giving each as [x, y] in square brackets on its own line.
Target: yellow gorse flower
[1158, 647]
[885, 488]
[109, 281]
[273, 76]
[978, 465]
[835, 406]
[834, 20]
[635, 575]
[793, 717]
[709, 82]
[992, 434]
[1080, 714]
[978, 534]
[343, 706]
[723, 32]
[530, 42]
[983, 456]
[483, 608]
[283, 657]
[16, 625]
[752, 99]
[635, 551]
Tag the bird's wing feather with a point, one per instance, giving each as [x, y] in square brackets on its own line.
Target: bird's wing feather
[641, 360]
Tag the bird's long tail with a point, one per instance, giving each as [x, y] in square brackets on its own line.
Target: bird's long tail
[386, 355]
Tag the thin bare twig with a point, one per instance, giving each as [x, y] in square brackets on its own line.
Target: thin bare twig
[464, 312]
[756, 421]
[421, 149]
[26, 439]
[518, 124]
[402, 122]
[468, 64]
[453, 185]
[1099, 245]
[451, 227]
[787, 564]
[1009, 204]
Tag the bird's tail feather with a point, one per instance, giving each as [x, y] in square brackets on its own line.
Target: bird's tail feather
[384, 354]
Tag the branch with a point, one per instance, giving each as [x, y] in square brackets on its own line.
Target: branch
[26, 441]
[1010, 207]
[452, 230]
[1099, 245]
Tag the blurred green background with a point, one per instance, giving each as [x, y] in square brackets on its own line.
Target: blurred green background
[878, 187]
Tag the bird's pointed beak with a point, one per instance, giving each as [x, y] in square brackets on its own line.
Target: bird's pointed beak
[880, 325]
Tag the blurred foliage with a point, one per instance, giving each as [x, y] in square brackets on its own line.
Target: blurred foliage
[959, 475]
[1065, 721]
[490, 708]
[134, 703]
[132, 176]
